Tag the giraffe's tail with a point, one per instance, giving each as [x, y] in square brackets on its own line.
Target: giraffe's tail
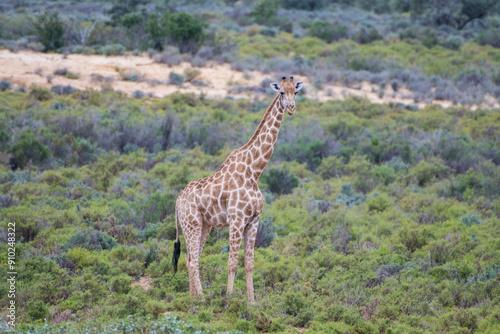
[177, 245]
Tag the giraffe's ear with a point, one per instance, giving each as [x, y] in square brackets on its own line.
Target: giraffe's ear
[299, 85]
[275, 86]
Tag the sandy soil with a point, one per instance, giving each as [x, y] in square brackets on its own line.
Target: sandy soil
[144, 282]
[26, 68]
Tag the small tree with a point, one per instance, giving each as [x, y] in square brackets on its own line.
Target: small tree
[265, 11]
[184, 31]
[280, 181]
[473, 10]
[28, 148]
[327, 32]
[50, 31]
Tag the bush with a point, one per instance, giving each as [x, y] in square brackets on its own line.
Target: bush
[191, 73]
[50, 31]
[175, 79]
[347, 197]
[63, 90]
[4, 85]
[121, 283]
[28, 148]
[40, 93]
[415, 238]
[91, 240]
[280, 181]
[383, 174]
[331, 166]
[489, 37]
[310, 5]
[181, 29]
[470, 219]
[113, 50]
[138, 94]
[364, 36]
[379, 203]
[327, 31]
[265, 233]
[170, 57]
[427, 171]
[265, 12]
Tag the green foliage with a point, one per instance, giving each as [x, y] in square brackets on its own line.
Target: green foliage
[112, 50]
[427, 171]
[379, 203]
[265, 11]
[50, 30]
[365, 36]
[40, 93]
[181, 29]
[175, 79]
[121, 283]
[27, 148]
[348, 197]
[470, 219]
[4, 85]
[421, 254]
[280, 181]
[91, 240]
[327, 31]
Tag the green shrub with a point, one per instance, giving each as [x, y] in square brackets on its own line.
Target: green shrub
[49, 29]
[37, 310]
[383, 174]
[4, 85]
[175, 79]
[470, 219]
[365, 36]
[265, 12]
[427, 171]
[379, 203]
[91, 240]
[280, 181]
[415, 238]
[40, 93]
[113, 50]
[331, 166]
[27, 148]
[155, 308]
[327, 31]
[265, 233]
[348, 197]
[121, 283]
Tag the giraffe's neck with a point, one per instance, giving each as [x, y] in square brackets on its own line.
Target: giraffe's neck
[260, 147]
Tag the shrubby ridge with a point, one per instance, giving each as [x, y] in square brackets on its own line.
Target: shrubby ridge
[378, 218]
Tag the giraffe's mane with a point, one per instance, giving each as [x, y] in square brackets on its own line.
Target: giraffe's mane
[255, 135]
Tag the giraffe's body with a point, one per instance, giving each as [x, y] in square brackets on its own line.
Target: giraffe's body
[231, 196]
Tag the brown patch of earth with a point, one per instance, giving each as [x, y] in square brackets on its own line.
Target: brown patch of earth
[26, 68]
[144, 282]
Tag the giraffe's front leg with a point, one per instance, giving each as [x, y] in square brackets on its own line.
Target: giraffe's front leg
[250, 235]
[235, 234]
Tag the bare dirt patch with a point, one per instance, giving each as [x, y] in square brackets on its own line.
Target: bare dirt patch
[144, 282]
[26, 68]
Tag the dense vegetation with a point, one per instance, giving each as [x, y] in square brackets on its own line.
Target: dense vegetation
[438, 50]
[379, 219]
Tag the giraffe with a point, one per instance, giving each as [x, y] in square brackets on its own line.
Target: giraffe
[231, 196]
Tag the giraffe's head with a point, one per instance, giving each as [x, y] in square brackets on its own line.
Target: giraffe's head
[287, 91]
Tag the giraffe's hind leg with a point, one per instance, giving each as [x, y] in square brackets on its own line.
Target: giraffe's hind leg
[250, 234]
[193, 239]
